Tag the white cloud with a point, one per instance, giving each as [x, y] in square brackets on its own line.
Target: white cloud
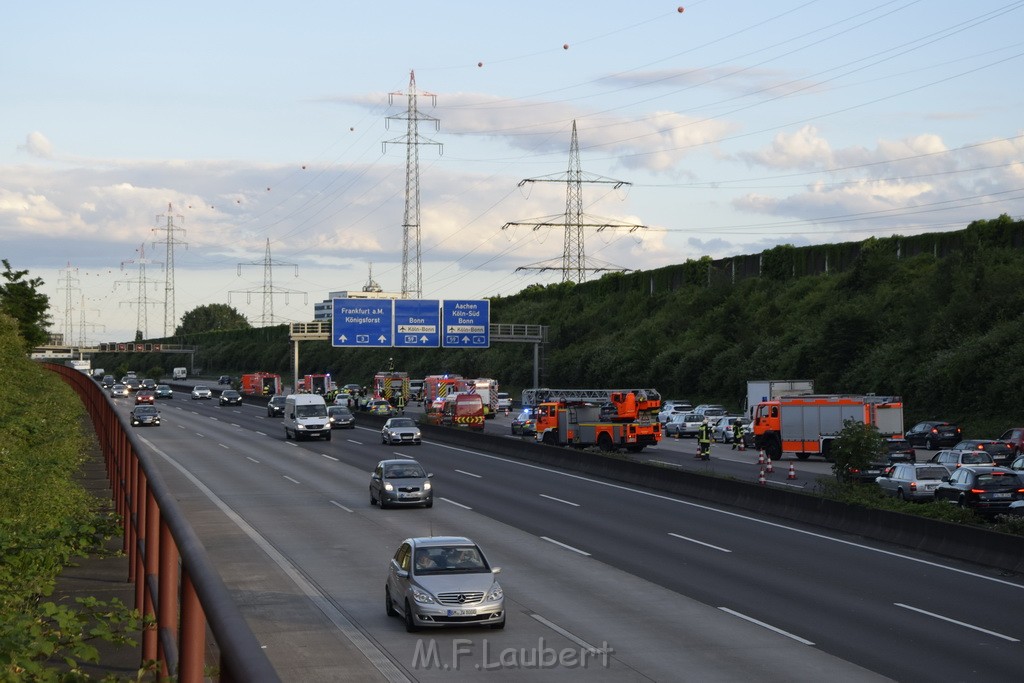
[37, 145]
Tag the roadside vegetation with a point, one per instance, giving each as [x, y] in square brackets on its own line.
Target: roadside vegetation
[46, 521]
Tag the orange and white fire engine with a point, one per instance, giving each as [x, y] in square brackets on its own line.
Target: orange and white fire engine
[607, 418]
[261, 384]
[806, 425]
[392, 386]
[440, 386]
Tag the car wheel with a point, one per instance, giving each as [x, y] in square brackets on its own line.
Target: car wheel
[899, 494]
[388, 605]
[961, 501]
[373, 501]
[328, 437]
[928, 444]
[410, 625]
[287, 434]
[429, 504]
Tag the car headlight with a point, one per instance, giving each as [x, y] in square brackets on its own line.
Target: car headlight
[426, 486]
[421, 596]
[417, 435]
[496, 592]
[388, 486]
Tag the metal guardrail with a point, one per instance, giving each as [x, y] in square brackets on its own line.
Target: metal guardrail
[175, 581]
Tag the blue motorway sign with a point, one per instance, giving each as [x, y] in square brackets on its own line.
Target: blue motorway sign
[362, 323]
[417, 323]
[466, 324]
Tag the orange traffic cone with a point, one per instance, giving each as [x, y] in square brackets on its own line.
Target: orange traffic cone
[768, 465]
[760, 457]
[792, 472]
[760, 478]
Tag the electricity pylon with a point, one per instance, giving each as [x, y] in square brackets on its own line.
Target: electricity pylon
[142, 315]
[574, 262]
[170, 241]
[268, 290]
[411, 219]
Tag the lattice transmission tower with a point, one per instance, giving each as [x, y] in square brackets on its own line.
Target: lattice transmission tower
[574, 265]
[170, 242]
[412, 285]
[68, 281]
[142, 284]
[268, 290]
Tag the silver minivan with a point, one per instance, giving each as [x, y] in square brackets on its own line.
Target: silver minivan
[443, 581]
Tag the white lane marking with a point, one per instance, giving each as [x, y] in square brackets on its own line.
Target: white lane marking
[337, 617]
[358, 443]
[224, 446]
[559, 500]
[449, 500]
[767, 626]
[294, 481]
[248, 457]
[334, 502]
[954, 621]
[594, 650]
[200, 435]
[666, 463]
[235, 425]
[666, 497]
[693, 540]
[289, 443]
[181, 426]
[329, 457]
[567, 547]
[470, 474]
[261, 433]
[214, 418]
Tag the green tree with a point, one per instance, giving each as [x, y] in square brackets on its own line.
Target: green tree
[212, 318]
[856, 446]
[22, 300]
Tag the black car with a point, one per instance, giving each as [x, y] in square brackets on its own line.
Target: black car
[224, 379]
[230, 397]
[341, 417]
[275, 406]
[1001, 451]
[145, 414]
[986, 490]
[934, 434]
[893, 451]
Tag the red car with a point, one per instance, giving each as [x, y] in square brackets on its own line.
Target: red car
[145, 396]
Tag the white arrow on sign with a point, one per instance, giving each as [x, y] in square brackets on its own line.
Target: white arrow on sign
[343, 338]
[382, 339]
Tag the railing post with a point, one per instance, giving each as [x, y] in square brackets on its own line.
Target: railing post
[192, 637]
[167, 600]
[150, 549]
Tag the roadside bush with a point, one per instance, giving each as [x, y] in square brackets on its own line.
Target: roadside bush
[856, 446]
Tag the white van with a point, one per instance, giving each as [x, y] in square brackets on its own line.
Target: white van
[179, 373]
[305, 415]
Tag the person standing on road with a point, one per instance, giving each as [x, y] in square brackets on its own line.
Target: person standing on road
[704, 440]
[737, 435]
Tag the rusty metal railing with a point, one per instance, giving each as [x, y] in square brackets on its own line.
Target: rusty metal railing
[175, 581]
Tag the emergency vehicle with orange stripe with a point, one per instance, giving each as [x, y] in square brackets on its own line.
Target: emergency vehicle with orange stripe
[607, 418]
[807, 424]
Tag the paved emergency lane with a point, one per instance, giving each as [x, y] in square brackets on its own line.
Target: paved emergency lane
[652, 575]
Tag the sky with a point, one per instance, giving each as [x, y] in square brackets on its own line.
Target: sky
[248, 133]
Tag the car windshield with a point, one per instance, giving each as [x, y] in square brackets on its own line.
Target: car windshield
[145, 410]
[407, 470]
[338, 411]
[450, 560]
[403, 422]
[311, 410]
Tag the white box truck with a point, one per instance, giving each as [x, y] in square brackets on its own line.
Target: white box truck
[179, 373]
[771, 389]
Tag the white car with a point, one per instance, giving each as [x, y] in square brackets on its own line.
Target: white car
[670, 408]
[504, 402]
[200, 392]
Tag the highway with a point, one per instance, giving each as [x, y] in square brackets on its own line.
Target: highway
[602, 581]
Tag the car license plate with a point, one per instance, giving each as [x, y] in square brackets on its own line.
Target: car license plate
[1000, 496]
[461, 612]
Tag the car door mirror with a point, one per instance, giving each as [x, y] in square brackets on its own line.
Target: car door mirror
[495, 570]
[429, 475]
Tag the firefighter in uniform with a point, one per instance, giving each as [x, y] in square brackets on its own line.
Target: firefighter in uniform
[737, 436]
[704, 440]
[401, 403]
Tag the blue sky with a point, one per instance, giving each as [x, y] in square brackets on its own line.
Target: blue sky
[739, 124]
